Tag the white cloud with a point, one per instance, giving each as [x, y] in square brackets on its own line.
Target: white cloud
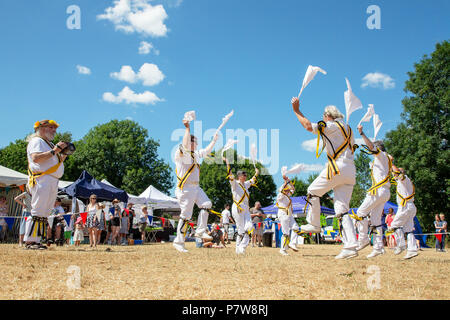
[145, 48]
[138, 16]
[310, 145]
[377, 79]
[126, 74]
[83, 70]
[130, 97]
[149, 74]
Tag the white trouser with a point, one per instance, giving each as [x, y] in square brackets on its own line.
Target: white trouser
[190, 195]
[43, 196]
[342, 186]
[288, 227]
[244, 225]
[373, 206]
[404, 223]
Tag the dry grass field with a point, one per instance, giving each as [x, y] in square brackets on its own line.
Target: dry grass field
[157, 271]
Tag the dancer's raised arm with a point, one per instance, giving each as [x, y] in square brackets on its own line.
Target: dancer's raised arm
[367, 141]
[303, 120]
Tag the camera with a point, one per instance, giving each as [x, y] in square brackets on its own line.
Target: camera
[70, 149]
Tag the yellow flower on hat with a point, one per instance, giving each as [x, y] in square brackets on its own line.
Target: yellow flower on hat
[45, 123]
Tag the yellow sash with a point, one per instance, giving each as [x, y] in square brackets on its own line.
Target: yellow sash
[376, 185]
[182, 181]
[288, 208]
[332, 168]
[32, 176]
[406, 199]
[238, 203]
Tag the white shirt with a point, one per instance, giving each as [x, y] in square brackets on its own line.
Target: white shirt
[183, 161]
[334, 134]
[405, 188]
[38, 145]
[237, 189]
[284, 201]
[226, 216]
[380, 168]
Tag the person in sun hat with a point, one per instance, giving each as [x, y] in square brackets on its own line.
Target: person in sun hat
[45, 168]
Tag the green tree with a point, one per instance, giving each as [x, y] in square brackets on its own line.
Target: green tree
[122, 153]
[213, 181]
[363, 180]
[419, 144]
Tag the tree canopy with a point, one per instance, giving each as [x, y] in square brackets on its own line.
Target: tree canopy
[419, 144]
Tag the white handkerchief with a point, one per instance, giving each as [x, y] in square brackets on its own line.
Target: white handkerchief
[229, 144]
[296, 168]
[370, 112]
[310, 74]
[189, 116]
[253, 153]
[225, 120]
[376, 125]
[352, 102]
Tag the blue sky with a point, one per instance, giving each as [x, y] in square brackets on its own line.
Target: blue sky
[211, 57]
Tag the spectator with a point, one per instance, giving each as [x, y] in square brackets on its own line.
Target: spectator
[56, 224]
[133, 228]
[443, 230]
[115, 225]
[124, 226]
[24, 199]
[226, 218]
[101, 222]
[3, 224]
[217, 238]
[391, 238]
[108, 217]
[92, 222]
[257, 216]
[143, 222]
[79, 231]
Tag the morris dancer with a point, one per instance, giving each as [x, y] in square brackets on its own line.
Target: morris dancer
[403, 222]
[241, 209]
[45, 168]
[188, 191]
[285, 211]
[377, 196]
[339, 175]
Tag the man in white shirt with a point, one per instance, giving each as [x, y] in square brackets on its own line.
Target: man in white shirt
[403, 222]
[377, 196]
[188, 191]
[45, 168]
[226, 217]
[241, 207]
[339, 175]
[285, 215]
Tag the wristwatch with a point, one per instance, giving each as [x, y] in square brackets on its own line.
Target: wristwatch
[52, 152]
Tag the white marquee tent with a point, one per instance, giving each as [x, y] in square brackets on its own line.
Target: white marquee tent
[152, 197]
[9, 177]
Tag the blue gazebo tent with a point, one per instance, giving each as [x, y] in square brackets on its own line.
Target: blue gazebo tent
[87, 185]
[298, 206]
